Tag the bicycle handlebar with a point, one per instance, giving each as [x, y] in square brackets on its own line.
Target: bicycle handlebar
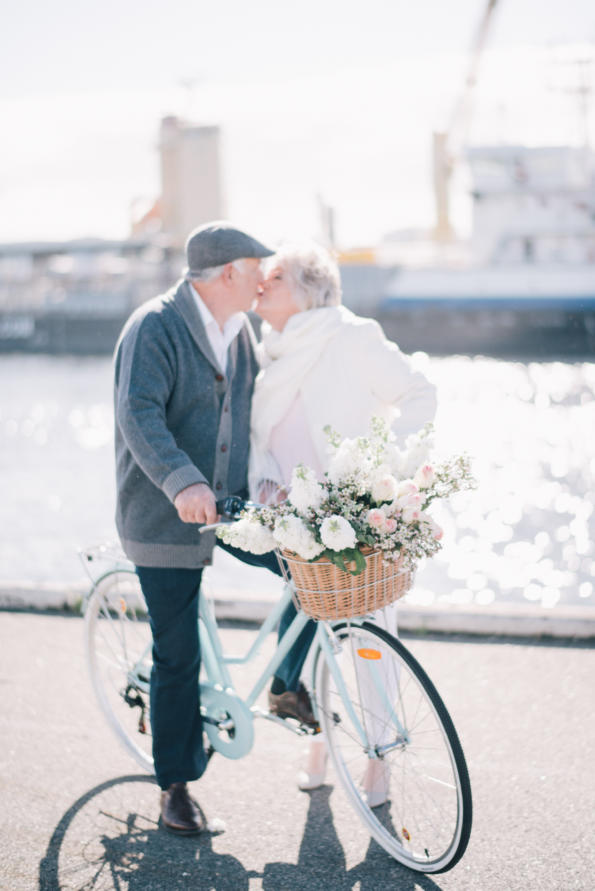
[229, 508]
[232, 506]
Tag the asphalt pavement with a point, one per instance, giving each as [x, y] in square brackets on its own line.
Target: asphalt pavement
[77, 813]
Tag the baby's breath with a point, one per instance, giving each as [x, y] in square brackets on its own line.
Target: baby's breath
[367, 498]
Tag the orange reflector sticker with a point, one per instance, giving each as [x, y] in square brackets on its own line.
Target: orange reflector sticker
[369, 654]
[122, 605]
[406, 834]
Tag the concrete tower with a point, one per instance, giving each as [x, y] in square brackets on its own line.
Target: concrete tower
[191, 190]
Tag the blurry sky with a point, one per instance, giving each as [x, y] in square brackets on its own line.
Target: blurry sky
[337, 98]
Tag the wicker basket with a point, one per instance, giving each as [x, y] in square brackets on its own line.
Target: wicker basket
[327, 592]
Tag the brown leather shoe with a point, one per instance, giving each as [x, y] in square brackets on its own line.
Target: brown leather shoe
[178, 812]
[293, 704]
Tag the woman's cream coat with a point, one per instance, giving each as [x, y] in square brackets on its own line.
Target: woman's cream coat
[346, 372]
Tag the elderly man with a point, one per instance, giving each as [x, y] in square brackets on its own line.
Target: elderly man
[184, 374]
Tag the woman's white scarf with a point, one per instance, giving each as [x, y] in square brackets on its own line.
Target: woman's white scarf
[287, 357]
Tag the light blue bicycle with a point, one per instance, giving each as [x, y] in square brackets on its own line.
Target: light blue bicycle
[400, 721]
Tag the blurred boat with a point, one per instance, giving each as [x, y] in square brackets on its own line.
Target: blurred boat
[73, 297]
[528, 286]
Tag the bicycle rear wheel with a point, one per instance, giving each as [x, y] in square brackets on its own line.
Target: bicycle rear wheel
[118, 645]
[407, 779]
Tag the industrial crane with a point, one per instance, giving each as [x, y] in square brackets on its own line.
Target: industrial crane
[447, 143]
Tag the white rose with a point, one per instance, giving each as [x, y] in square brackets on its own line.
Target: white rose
[337, 533]
[424, 476]
[384, 487]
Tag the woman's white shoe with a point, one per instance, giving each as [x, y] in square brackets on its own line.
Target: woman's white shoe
[375, 782]
[315, 771]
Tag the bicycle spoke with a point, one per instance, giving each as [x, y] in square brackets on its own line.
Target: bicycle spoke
[118, 649]
[420, 821]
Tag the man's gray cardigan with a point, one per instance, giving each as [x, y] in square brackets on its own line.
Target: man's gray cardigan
[179, 420]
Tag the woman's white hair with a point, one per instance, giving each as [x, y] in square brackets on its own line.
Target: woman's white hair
[313, 273]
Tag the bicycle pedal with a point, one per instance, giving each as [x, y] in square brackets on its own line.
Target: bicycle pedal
[310, 729]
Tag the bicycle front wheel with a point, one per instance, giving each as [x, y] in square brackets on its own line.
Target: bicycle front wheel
[394, 748]
[119, 656]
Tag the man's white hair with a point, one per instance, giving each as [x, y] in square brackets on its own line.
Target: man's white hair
[312, 272]
[213, 272]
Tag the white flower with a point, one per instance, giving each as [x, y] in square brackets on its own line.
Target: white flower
[306, 493]
[394, 459]
[384, 487]
[424, 476]
[337, 533]
[348, 462]
[249, 535]
[292, 534]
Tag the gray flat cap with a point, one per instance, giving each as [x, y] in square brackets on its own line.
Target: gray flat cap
[218, 243]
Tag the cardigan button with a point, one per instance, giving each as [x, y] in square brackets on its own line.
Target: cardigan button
[218, 377]
[218, 486]
[223, 448]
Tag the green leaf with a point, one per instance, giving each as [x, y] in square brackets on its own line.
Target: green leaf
[348, 555]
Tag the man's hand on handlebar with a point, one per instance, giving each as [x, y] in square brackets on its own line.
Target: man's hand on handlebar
[196, 504]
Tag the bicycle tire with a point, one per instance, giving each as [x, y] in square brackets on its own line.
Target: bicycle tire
[425, 821]
[118, 644]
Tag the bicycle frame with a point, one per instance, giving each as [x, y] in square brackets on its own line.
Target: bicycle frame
[368, 694]
[216, 662]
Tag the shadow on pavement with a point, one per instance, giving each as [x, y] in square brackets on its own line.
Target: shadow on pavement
[100, 843]
[321, 861]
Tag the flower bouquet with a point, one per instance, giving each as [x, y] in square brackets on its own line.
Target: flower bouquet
[352, 541]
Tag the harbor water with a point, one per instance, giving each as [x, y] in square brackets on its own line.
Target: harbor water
[526, 535]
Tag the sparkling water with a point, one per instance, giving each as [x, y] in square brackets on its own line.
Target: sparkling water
[526, 534]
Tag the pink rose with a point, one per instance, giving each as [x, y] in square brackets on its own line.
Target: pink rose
[407, 487]
[390, 524]
[411, 514]
[410, 501]
[437, 531]
[384, 488]
[376, 518]
[425, 476]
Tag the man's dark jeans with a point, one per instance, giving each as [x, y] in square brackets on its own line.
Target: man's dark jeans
[176, 724]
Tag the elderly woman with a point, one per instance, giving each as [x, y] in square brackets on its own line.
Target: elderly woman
[321, 365]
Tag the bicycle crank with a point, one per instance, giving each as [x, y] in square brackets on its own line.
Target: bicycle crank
[227, 721]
